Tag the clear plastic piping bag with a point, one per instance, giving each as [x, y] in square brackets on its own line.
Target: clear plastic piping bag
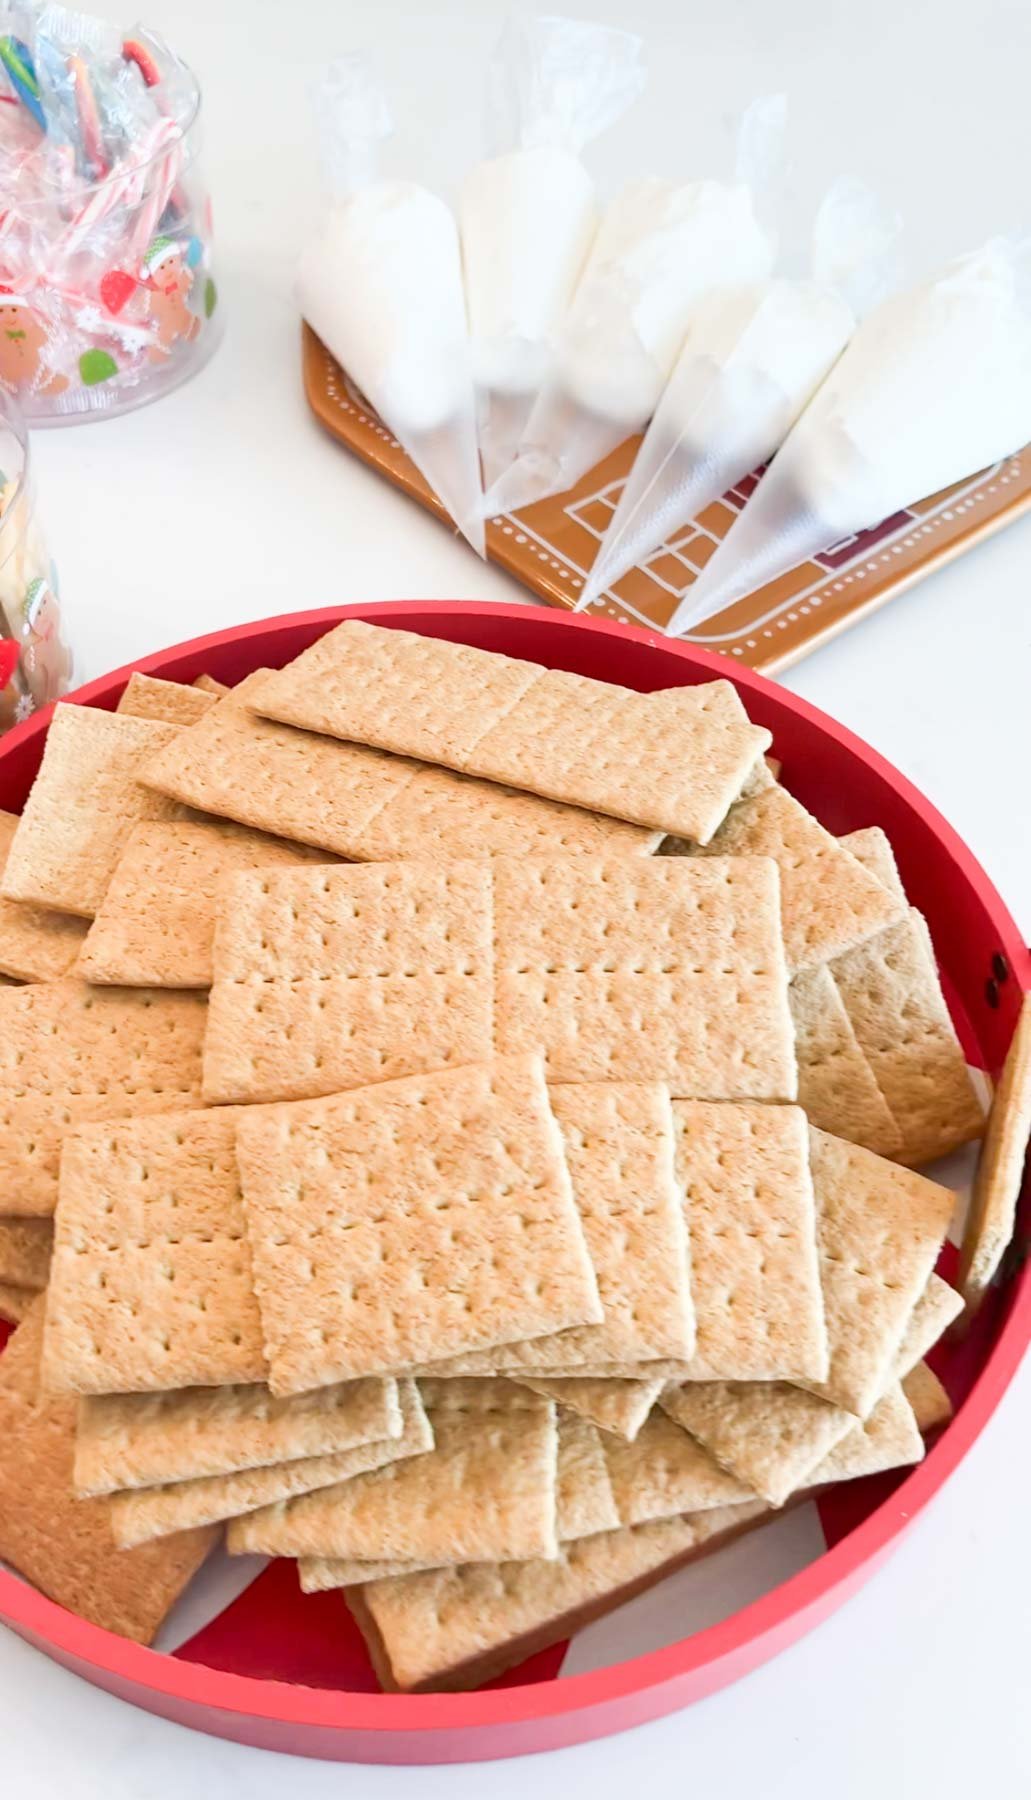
[661, 249]
[528, 214]
[934, 385]
[751, 362]
[381, 284]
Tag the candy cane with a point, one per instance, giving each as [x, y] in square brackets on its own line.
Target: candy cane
[123, 189]
[160, 194]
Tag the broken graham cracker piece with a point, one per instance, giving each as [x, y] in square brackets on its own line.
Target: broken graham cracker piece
[619, 1147]
[143, 1513]
[751, 1224]
[829, 901]
[673, 760]
[928, 1398]
[993, 1207]
[772, 1435]
[331, 978]
[612, 1404]
[457, 1628]
[155, 926]
[486, 1491]
[25, 1247]
[15, 1301]
[364, 804]
[583, 1505]
[892, 993]
[636, 969]
[411, 1221]
[63, 1544]
[151, 1284]
[666, 1472]
[836, 1085]
[71, 1053]
[888, 1438]
[880, 1228]
[208, 685]
[84, 802]
[873, 848]
[149, 697]
[36, 944]
[146, 1440]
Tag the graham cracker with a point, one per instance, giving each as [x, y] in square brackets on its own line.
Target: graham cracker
[880, 1230]
[151, 1284]
[836, 1085]
[155, 926]
[751, 1221]
[146, 1440]
[332, 978]
[63, 1544]
[993, 1208]
[933, 1313]
[584, 1497]
[829, 901]
[872, 847]
[928, 1398]
[15, 1301]
[673, 760]
[364, 804]
[411, 1221]
[456, 1628]
[25, 1247]
[771, 1435]
[487, 1490]
[35, 943]
[892, 994]
[635, 970]
[84, 802]
[583, 1505]
[148, 697]
[208, 685]
[619, 1144]
[887, 1439]
[144, 1513]
[71, 1053]
[619, 970]
[666, 1472]
[616, 1406]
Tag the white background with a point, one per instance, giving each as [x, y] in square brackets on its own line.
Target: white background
[226, 503]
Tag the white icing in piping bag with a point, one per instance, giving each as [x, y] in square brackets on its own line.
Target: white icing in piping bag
[381, 284]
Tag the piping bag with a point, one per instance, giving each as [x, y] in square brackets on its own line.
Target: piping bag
[661, 249]
[528, 213]
[381, 284]
[934, 385]
[751, 362]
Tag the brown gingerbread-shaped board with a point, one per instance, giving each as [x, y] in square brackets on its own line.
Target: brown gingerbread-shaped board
[550, 547]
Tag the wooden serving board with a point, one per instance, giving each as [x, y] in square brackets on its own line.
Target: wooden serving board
[550, 546]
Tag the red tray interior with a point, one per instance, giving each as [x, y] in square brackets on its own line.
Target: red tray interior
[273, 1632]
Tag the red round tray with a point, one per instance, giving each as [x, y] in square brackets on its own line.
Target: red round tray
[287, 1672]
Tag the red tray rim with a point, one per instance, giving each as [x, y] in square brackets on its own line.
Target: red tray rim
[761, 1627]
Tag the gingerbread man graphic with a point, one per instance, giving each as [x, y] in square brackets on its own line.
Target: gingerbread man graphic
[23, 345]
[46, 659]
[167, 280]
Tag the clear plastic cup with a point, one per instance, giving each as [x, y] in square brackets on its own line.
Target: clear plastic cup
[109, 301]
[35, 661]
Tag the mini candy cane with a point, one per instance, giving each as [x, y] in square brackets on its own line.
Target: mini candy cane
[162, 188]
[124, 189]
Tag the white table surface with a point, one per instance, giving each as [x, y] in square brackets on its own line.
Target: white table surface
[226, 503]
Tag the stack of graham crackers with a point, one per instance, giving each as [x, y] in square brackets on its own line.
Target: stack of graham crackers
[477, 1106]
